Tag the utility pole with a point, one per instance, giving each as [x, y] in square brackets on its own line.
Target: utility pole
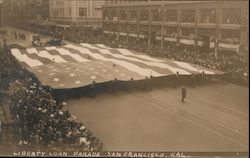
[1, 2]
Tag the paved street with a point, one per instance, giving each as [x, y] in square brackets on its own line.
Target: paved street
[214, 117]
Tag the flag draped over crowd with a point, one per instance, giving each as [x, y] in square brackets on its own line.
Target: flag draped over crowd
[76, 65]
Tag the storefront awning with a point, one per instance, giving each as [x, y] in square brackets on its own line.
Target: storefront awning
[170, 39]
[232, 47]
[123, 34]
[133, 35]
[187, 41]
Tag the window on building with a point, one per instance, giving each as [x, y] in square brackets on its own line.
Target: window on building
[231, 16]
[208, 15]
[171, 31]
[113, 15]
[132, 28]
[171, 15]
[156, 15]
[124, 28]
[133, 15]
[188, 15]
[204, 32]
[230, 36]
[54, 12]
[69, 10]
[123, 15]
[62, 12]
[106, 15]
[144, 16]
[187, 32]
[82, 12]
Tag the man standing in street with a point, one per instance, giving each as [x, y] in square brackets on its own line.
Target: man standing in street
[93, 89]
[183, 93]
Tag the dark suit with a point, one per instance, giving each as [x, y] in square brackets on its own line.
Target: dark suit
[183, 93]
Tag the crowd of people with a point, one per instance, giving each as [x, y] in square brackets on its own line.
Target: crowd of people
[40, 121]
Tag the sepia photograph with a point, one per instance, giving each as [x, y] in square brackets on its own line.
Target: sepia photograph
[124, 78]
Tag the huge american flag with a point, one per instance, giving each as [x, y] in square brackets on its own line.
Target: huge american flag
[76, 65]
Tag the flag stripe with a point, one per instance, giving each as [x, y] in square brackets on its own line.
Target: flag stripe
[45, 54]
[25, 58]
[181, 65]
[129, 66]
[63, 51]
[36, 57]
[126, 53]
[156, 64]
[137, 62]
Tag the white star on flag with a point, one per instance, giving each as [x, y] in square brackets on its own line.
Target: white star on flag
[56, 79]
[72, 75]
[78, 82]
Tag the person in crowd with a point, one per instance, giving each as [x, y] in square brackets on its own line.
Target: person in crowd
[176, 79]
[114, 86]
[93, 89]
[39, 118]
[192, 80]
[151, 82]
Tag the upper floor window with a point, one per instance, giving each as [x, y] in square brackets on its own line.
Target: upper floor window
[133, 14]
[82, 12]
[230, 36]
[156, 15]
[188, 15]
[144, 16]
[171, 15]
[171, 31]
[123, 15]
[113, 15]
[231, 16]
[187, 32]
[106, 15]
[208, 15]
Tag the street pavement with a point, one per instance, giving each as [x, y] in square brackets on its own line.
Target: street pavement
[213, 118]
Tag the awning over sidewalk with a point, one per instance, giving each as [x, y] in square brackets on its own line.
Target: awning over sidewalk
[232, 47]
[187, 41]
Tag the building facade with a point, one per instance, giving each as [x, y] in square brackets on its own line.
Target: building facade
[218, 25]
[76, 13]
[18, 13]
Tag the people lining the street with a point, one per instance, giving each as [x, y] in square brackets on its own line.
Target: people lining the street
[40, 120]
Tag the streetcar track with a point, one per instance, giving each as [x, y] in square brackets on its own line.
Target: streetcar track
[207, 116]
[190, 120]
